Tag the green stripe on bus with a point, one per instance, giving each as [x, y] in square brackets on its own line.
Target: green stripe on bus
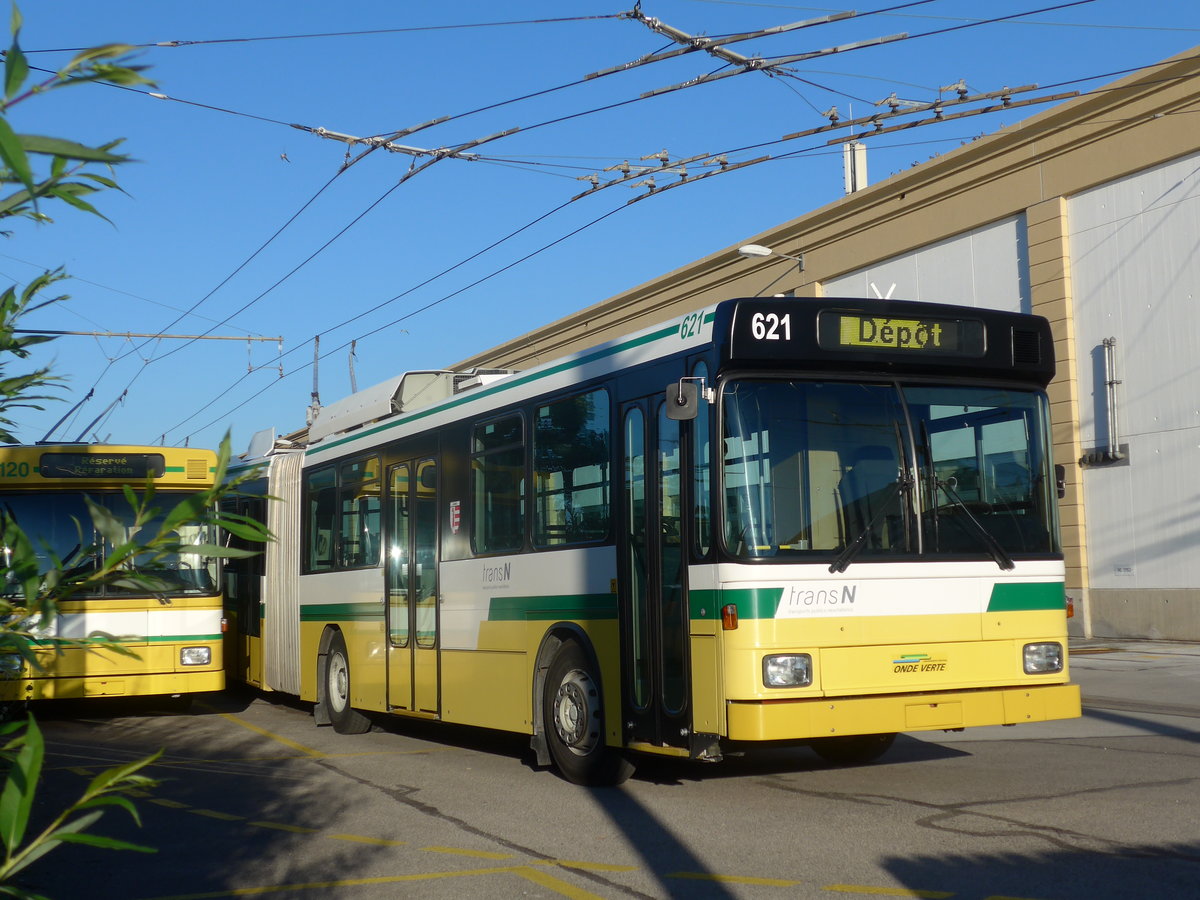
[329, 612]
[1015, 597]
[541, 609]
[135, 639]
[751, 603]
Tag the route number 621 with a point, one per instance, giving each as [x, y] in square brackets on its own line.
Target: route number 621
[771, 327]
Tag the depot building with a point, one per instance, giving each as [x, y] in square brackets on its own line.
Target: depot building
[1087, 214]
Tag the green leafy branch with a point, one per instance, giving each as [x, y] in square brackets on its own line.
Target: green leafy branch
[25, 754]
[68, 178]
[26, 623]
[16, 390]
[35, 168]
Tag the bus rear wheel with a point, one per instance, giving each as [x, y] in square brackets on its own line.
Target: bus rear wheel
[574, 720]
[336, 678]
[852, 749]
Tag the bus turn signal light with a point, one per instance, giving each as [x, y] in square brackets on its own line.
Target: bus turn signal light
[729, 617]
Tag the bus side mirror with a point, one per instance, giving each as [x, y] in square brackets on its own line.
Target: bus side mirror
[1060, 480]
[683, 400]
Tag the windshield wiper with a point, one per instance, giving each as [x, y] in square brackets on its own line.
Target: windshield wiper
[1003, 560]
[842, 563]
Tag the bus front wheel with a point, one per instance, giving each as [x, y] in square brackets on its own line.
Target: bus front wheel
[852, 749]
[574, 721]
[344, 717]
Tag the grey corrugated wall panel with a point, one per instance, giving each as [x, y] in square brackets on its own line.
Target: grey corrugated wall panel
[1135, 265]
[987, 267]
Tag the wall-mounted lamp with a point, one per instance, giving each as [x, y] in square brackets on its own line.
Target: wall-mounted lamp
[758, 251]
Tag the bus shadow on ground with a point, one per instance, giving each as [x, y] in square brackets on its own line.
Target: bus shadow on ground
[763, 761]
[1149, 870]
[1184, 728]
[743, 762]
[105, 708]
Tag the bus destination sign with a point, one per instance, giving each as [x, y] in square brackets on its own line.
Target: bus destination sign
[854, 331]
[102, 465]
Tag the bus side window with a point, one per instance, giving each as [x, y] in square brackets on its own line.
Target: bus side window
[498, 486]
[571, 464]
[322, 511]
[360, 512]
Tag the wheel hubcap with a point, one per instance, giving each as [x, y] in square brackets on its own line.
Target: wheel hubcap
[339, 681]
[577, 712]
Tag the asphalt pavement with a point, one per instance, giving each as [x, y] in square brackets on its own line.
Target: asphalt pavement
[1156, 677]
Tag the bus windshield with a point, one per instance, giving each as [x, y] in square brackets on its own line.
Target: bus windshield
[59, 526]
[886, 470]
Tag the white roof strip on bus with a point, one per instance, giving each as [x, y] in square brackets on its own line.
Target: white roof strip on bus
[521, 380]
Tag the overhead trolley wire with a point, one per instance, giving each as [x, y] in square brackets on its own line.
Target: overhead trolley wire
[295, 269]
[345, 166]
[1093, 25]
[408, 315]
[790, 155]
[332, 34]
[554, 121]
[816, 148]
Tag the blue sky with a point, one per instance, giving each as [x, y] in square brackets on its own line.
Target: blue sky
[246, 222]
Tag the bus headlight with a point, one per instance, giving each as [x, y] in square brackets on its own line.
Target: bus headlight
[195, 656]
[787, 670]
[1043, 659]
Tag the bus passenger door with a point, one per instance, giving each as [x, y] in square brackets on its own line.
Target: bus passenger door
[654, 622]
[243, 645]
[412, 586]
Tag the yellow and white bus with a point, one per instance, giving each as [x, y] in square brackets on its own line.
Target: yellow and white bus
[173, 631]
[819, 522]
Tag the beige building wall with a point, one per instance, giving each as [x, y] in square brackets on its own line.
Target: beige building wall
[1028, 170]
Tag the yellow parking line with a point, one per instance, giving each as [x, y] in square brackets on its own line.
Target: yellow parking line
[424, 751]
[527, 872]
[542, 878]
[524, 871]
[307, 751]
[734, 879]
[887, 891]
[358, 838]
[280, 826]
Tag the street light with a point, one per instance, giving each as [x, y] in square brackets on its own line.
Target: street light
[758, 251]
[753, 250]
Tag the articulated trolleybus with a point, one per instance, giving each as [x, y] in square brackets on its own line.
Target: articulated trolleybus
[815, 522]
[174, 631]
